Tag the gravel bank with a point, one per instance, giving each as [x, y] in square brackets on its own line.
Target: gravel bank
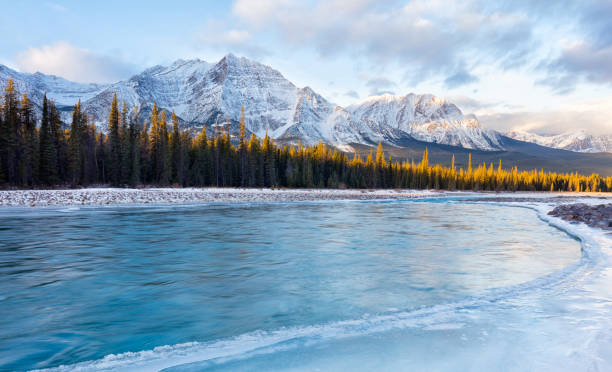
[106, 196]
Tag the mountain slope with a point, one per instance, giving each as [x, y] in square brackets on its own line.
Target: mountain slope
[578, 141]
[203, 93]
[423, 117]
[62, 91]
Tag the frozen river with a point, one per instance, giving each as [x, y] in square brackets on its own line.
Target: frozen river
[399, 285]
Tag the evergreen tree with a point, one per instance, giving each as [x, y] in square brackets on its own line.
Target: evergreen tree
[242, 151]
[115, 143]
[134, 150]
[8, 134]
[164, 151]
[46, 150]
[75, 146]
[125, 138]
[28, 140]
[176, 152]
[151, 155]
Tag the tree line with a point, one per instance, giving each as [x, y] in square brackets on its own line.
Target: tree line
[159, 153]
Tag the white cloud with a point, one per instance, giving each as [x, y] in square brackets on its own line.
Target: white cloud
[424, 37]
[73, 63]
[380, 85]
[593, 116]
[216, 36]
[577, 60]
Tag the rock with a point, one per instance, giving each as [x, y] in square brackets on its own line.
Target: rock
[599, 216]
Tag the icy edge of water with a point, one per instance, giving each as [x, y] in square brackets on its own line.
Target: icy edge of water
[427, 318]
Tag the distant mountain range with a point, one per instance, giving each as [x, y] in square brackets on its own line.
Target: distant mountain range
[579, 141]
[203, 93]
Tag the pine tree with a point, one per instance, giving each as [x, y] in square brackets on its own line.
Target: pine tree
[176, 153]
[8, 134]
[242, 151]
[47, 153]
[28, 139]
[164, 155]
[125, 139]
[134, 150]
[82, 156]
[145, 155]
[2, 149]
[75, 147]
[115, 143]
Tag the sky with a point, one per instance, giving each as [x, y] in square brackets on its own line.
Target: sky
[540, 66]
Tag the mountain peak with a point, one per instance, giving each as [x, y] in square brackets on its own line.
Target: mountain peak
[232, 59]
[201, 93]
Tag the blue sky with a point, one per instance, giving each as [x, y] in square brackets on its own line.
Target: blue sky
[540, 66]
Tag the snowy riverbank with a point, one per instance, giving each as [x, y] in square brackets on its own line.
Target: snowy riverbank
[106, 196]
[111, 196]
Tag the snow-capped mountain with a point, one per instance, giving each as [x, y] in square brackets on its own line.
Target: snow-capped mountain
[579, 141]
[62, 91]
[423, 117]
[202, 93]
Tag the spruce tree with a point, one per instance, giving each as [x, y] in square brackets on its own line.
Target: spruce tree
[59, 173]
[115, 143]
[125, 135]
[46, 149]
[164, 153]
[176, 152]
[28, 139]
[134, 149]
[155, 145]
[8, 134]
[2, 149]
[242, 150]
[75, 147]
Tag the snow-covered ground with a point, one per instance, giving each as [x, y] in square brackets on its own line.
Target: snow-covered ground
[105, 196]
[110, 196]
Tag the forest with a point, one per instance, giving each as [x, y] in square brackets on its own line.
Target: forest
[47, 153]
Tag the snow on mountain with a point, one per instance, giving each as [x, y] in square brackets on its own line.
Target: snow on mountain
[203, 93]
[62, 91]
[579, 141]
[423, 117]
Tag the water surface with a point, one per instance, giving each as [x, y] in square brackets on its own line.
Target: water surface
[79, 284]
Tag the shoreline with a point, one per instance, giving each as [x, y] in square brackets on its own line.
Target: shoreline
[117, 196]
[123, 196]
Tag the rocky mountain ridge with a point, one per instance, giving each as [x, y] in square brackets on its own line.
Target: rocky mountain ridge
[578, 141]
[203, 93]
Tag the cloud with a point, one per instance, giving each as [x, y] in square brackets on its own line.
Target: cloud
[352, 94]
[593, 116]
[579, 61]
[380, 85]
[595, 21]
[460, 78]
[72, 63]
[422, 37]
[216, 36]
[469, 105]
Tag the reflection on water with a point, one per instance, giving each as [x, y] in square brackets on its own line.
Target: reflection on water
[80, 284]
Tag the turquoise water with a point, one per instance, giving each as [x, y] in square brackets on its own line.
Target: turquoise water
[263, 286]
